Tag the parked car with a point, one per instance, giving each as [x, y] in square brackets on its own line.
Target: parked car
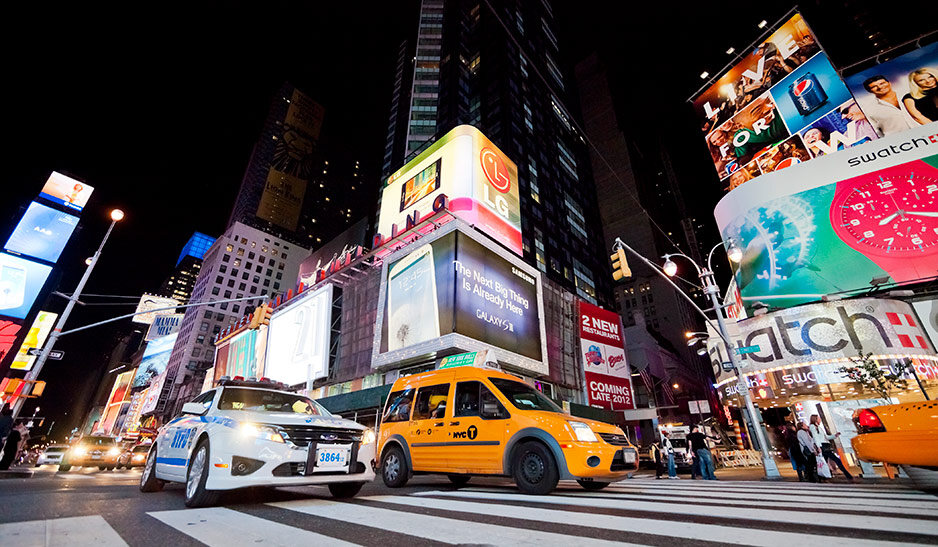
[92, 450]
[51, 455]
[904, 434]
[135, 456]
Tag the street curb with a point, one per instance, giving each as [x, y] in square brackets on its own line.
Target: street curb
[16, 474]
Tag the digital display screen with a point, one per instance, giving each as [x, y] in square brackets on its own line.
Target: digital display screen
[154, 361]
[20, 283]
[421, 186]
[42, 233]
[66, 191]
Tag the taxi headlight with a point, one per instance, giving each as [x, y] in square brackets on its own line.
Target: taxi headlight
[583, 432]
[265, 432]
[368, 436]
[114, 452]
[79, 451]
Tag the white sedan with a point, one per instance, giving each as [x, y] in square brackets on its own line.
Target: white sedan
[244, 434]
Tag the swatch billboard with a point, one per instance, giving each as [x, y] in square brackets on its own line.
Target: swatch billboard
[834, 226]
[455, 290]
[42, 233]
[468, 174]
[602, 349]
[781, 105]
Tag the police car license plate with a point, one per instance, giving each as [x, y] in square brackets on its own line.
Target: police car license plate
[331, 457]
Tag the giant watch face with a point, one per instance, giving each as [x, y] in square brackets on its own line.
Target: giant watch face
[894, 215]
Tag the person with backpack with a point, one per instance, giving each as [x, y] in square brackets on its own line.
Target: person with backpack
[655, 452]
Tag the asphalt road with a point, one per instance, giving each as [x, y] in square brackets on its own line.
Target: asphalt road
[91, 507]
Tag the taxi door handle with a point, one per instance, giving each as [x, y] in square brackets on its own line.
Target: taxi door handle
[438, 424]
[454, 423]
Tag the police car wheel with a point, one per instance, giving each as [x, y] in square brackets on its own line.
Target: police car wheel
[345, 489]
[148, 480]
[593, 485]
[459, 480]
[196, 494]
[394, 468]
[534, 469]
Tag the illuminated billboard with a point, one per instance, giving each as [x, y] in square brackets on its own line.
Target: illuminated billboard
[152, 302]
[837, 224]
[241, 354]
[602, 349]
[9, 329]
[479, 182]
[454, 289]
[20, 283]
[42, 233]
[66, 191]
[900, 93]
[781, 105]
[35, 338]
[298, 338]
[152, 394]
[154, 361]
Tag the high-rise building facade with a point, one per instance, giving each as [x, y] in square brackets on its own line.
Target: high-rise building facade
[243, 262]
[500, 71]
[180, 283]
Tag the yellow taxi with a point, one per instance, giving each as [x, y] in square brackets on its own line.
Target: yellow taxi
[903, 434]
[470, 420]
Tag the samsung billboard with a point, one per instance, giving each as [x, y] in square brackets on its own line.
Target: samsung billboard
[20, 283]
[42, 233]
[456, 290]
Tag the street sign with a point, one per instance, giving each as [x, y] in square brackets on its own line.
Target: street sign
[727, 366]
[55, 355]
[747, 349]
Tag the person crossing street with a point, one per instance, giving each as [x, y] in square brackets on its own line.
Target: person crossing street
[701, 453]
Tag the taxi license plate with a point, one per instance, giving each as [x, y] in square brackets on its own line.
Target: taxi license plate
[96, 456]
[628, 456]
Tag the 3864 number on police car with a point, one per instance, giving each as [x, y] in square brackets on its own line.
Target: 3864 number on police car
[331, 457]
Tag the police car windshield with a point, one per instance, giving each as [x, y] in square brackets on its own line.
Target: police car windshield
[524, 396]
[261, 400]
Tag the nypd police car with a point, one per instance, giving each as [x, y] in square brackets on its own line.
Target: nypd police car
[248, 433]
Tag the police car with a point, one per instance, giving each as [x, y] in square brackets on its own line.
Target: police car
[250, 433]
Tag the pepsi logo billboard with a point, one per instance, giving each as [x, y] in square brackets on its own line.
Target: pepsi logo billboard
[602, 348]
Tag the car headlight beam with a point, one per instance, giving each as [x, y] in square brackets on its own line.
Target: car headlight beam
[114, 452]
[583, 432]
[265, 432]
[368, 436]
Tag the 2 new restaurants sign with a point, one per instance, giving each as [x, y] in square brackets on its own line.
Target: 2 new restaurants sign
[602, 347]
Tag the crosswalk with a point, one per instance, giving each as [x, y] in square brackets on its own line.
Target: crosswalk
[632, 512]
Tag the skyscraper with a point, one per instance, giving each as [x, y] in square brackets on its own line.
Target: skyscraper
[497, 68]
[180, 283]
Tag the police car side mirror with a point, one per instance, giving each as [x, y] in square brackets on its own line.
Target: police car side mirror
[194, 408]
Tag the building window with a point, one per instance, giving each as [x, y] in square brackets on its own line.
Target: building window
[216, 329]
[219, 279]
[223, 305]
[227, 294]
[196, 352]
[251, 255]
[254, 289]
[244, 241]
[225, 258]
[266, 282]
[259, 269]
[221, 268]
[242, 286]
[231, 282]
[208, 315]
[229, 247]
[236, 308]
[200, 339]
[237, 262]
[269, 272]
[215, 291]
[204, 326]
[219, 316]
[257, 278]
[276, 286]
[245, 275]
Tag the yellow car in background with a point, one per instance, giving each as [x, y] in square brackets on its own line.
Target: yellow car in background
[904, 434]
[91, 451]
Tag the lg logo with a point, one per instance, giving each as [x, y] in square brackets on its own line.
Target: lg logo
[495, 170]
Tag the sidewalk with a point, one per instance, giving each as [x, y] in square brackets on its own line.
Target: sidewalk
[788, 475]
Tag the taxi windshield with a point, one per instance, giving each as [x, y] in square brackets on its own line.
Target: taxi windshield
[98, 441]
[261, 400]
[524, 396]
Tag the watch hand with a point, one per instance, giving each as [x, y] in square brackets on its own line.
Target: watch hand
[922, 213]
[888, 219]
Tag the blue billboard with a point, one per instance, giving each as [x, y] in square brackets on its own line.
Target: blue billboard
[42, 233]
[154, 361]
[20, 283]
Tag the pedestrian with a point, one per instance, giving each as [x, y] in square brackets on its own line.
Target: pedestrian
[656, 457]
[6, 422]
[701, 452]
[790, 435]
[823, 440]
[668, 450]
[809, 451]
[12, 446]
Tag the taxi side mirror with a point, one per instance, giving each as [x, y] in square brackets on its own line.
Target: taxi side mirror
[194, 408]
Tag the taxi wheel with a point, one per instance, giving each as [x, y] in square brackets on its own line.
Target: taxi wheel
[64, 468]
[345, 489]
[394, 468]
[148, 480]
[593, 485]
[196, 494]
[534, 469]
[459, 480]
[102, 467]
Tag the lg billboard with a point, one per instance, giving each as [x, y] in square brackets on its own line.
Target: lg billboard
[455, 288]
[470, 175]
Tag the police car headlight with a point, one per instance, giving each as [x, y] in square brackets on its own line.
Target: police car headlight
[368, 436]
[265, 432]
[583, 432]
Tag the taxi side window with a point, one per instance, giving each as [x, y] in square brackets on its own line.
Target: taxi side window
[431, 402]
[398, 407]
[474, 399]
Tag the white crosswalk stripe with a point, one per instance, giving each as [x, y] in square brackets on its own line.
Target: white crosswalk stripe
[90, 530]
[228, 528]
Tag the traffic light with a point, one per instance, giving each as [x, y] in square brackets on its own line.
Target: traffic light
[261, 316]
[620, 266]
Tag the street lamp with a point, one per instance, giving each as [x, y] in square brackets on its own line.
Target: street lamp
[116, 216]
[735, 254]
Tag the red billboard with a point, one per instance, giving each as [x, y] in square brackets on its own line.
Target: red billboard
[602, 347]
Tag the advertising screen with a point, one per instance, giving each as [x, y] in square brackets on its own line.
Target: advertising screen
[152, 396]
[35, 338]
[164, 325]
[480, 184]
[66, 191]
[839, 223]
[20, 283]
[242, 355]
[152, 302]
[781, 105]
[42, 233]
[8, 331]
[602, 348]
[298, 339]
[900, 93]
[456, 285]
[154, 361]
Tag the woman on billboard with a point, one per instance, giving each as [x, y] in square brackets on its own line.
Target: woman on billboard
[922, 99]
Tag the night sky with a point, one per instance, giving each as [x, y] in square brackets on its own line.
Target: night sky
[159, 111]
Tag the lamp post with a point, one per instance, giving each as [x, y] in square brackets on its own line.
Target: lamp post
[735, 254]
[116, 216]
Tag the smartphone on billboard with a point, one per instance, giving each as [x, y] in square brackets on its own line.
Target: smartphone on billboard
[422, 185]
[413, 313]
[12, 286]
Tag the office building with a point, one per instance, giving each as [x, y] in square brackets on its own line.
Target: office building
[180, 283]
[500, 71]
